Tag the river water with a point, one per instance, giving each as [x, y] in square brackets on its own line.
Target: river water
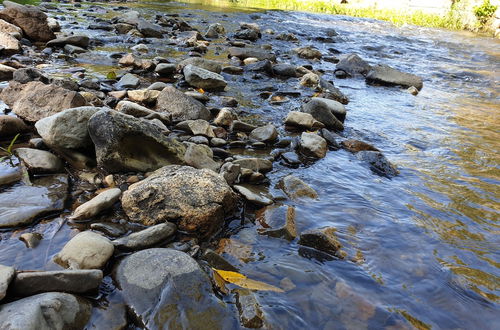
[423, 247]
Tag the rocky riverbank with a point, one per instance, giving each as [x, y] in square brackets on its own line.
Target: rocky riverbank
[155, 159]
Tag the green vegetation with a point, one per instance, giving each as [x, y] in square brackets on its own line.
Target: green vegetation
[485, 12]
[8, 150]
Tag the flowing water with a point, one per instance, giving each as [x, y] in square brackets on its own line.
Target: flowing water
[423, 248]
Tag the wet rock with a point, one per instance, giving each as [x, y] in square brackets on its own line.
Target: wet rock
[199, 140]
[266, 134]
[25, 75]
[215, 30]
[9, 173]
[302, 120]
[68, 128]
[70, 49]
[247, 34]
[199, 200]
[217, 142]
[52, 310]
[329, 91]
[39, 161]
[353, 65]
[230, 172]
[225, 117]
[326, 112]
[201, 156]
[10, 126]
[309, 80]
[180, 106]
[129, 81]
[331, 139]
[31, 240]
[412, 90]
[255, 164]
[166, 70]
[96, 205]
[355, 146]
[240, 126]
[109, 229]
[291, 158]
[385, 75]
[165, 288]
[217, 261]
[378, 163]
[286, 70]
[125, 143]
[15, 31]
[251, 314]
[130, 60]
[35, 100]
[323, 239]
[254, 194]
[6, 276]
[313, 145]
[297, 189]
[258, 53]
[288, 231]
[201, 78]
[80, 41]
[138, 111]
[308, 52]
[87, 250]
[46, 195]
[200, 62]
[9, 44]
[30, 19]
[157, 86]
[146, 238]
[146, 96]
[68, 281]
[149, 30]
[197, 127]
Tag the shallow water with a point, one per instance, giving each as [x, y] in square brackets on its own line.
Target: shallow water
[423, 247]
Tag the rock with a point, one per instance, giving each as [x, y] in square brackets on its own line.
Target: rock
[125, 143]
[199, 200]
[201, 78]
[297, 189]
[80, 41]
[240, 126]
[308, 52]
[70, 49]
[39, 161]
[130, 60]
[30, 19]
[216, 261]
[25, 75]
[69, 281]
[10, 126]
[6, 276]
[255, 164]
[128, 81]
[412, 90]
[254, 194]
[378, 163]
[31, 240]
[199, 140]
[166, 289]
[197, 127]
[291, 158]
[385, 75]
[302, 120]
[9, 44]
[325, 111]
[9, 174]
[215, 30]
[313, 145]
[68, 128]
[310, 80]
[46, 195]
[225, 117]
[35, 100]
[15, 31]
[353, 65]
[96, 205]
[87, 250]
[288, 231]
[285, 70]
[331, 139]
[329, 91]
[230, 172]
[323, 239]
[266, 134]
[147, 96]
[166, 70]
[200, 156]
[355, 146]
[149, 30]
[138, 111]
[46, 311]
[258, 53]
[157, 86]
[149, 237]
[216, 142]
[180, 106]
[247, 34]
[251, 314]
[200, 62]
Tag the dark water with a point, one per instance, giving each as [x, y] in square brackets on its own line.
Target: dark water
[424, 247]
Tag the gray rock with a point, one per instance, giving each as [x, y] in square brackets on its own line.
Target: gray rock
[255, 164]
[297, 189]
[353, 65]
[308, 52]
[10, 126]
[96, 205]
[331, 92]
[240, 126]
[6, 276]
[71, 49]
[247, 34]
[251, 314]
[46, 195]
[25, 75]
[313, 145]
[331, 138]
[166, 289]
[6, 72]
[10, 45]
[286, 70]
[215, 30]
[149, 30]
[30, 19]
[323, 239]
[201, 156]
[266, 134]
[31, 240]
[46, 311]
[69, 281]
[68, 128]
[165, 70]
[217, 142]
[39, 161]
[288, 231]
[198, 200]
[230, 172]
[197, 127]
[301, 120]
[126, 143]
[324, 111]
[198, 140]
[254, 194]
[201, 78]
[258, 53]
[9, 174]
[157, 86]
[225, 117]
[146, 238]
[385, 75]
[87, 250]
[378, 163]
[200, 62]
[291, 158]
[129, 80]
[180, 106]
[80, 41]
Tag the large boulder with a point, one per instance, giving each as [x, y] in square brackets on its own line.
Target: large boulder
[329, 112]
[385, 75]
[353, 65]
[201, 78]
[198, 200]
[9, 44]
[30, 19]
[167, 289]
[35, 100]
[80, 41]
[46, 311]
[11, 29]
[180, 106]
[126, 143]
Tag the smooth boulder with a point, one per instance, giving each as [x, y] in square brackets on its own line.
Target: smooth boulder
[96, 205]
[385, 75]
[328, 112]
[6, 275]
[146, 238]
[87, 250]
[204, 79]
[180, 106]
[39, 161]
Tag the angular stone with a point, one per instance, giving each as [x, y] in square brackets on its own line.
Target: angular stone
[96, 205]
[353, 65]
[11, 125]
[129, 80]
[80, 41]
[385, 75]
[147, 96]
[323, 239]
[180, 106]
[87, 250]
[327, 112]
[255, 164]
[30, 19]
[266, 134]
[254, 194]
[149, 237]
[313, 145]
[166, 69]
[6, 276]
[251, 314]
[15, 31]
[200, 62]
[288, 231]
[200, 156]
[197, 127]
[39, 161]
[9, 44]
[301, 120]
[201, 78]
[297, 189]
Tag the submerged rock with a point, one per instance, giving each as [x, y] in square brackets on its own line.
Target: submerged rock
[254, 194]
[265, 134]
[6, 276]
[166, 289]
[385, 75]
[180, 106]
[296, 189]
[378, 163]
[353, 65]
[146, 238]
[251, 314]
[287, 231]
[200, 62]
[355, 146]
[198, 200]
[323, 239]
[30, 19]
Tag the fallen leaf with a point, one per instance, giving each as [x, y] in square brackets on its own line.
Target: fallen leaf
[200, 90]
[221, 284]
[316, 94]
[111, 75]
[244, 282]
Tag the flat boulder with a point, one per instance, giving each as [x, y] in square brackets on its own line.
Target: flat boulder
[201, 78]
[167, 289]
[197, 200]
[180, 106]
[80, 41]
[30, 19]
[126, 143]
[353, 65]
[387, 76]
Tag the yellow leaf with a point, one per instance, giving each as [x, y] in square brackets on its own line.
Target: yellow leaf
[245, 282]
[200, 90]
[221, 284]
[316, 94]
